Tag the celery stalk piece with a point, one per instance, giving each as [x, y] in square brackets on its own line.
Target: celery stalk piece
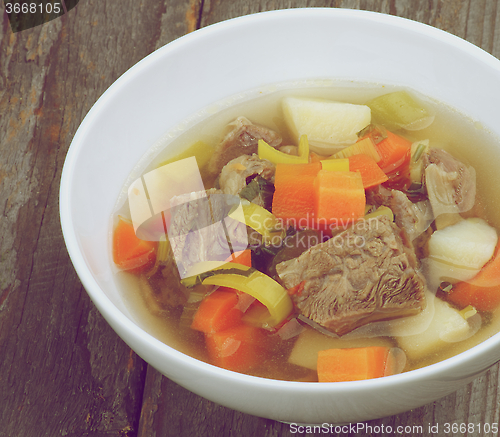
[399, 110]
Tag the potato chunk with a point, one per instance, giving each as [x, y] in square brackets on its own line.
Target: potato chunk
[329, 125]
[310, 342]
[457, 252]
[447, 327]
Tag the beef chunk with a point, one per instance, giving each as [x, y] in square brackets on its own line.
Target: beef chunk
[379, 195]
[412, 218]
[242, 139]
[237, 172]
[363, 274]
[450, 184]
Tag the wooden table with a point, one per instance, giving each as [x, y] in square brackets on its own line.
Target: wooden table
[63, 371]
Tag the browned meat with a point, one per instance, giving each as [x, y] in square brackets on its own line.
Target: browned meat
[361, 275]
[379, 195]
[233, 177]
[162, 296]
[242, 139]
[412, 218]
[451, 185]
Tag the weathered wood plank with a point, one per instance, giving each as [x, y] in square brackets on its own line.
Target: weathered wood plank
[62, 369]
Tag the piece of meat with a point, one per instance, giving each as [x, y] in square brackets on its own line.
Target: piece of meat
[200, 229]
[236, 173]
[450, 184]
[162, 293]
[378, 196]
[241, 139]
[412, 218]
[363, 274]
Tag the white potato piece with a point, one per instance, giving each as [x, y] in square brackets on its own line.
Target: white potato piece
[329, 125]
[457, 252]
[310, 342]
[447, 326]
[486, 331]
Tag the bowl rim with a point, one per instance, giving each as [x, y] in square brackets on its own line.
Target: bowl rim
[115, 317]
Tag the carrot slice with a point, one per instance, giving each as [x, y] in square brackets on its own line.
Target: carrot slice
[217, 311]
[238, 348]
[371, 173]
[339, 196]
[243, 257]
[394, 151]
[293, 188]
[482, 291]
[355, 364]
[130, 252]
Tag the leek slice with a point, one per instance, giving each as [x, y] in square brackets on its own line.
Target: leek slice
[419, 150]
[197, 273]
[340, 164]
[265, 151]
[399, 110]
[260, 286]
[163, 252]
[261, 220]
[365, 146]
[381, 210]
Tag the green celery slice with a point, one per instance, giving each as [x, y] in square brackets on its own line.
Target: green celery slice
[398, 110]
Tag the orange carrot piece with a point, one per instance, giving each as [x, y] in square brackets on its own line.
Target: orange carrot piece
[130, 252]
[243, 257]
[217, 312]
[371, 173]
[336, 365]
[314, 157]
[238, 348]
[482, 291]
[394, 151]
[339, 196]
[293, 193]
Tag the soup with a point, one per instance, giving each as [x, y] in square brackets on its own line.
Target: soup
[316, 234]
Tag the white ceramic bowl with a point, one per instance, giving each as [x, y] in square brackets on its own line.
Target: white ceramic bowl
[220, 61]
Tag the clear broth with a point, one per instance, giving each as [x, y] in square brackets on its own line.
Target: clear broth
[464, 138]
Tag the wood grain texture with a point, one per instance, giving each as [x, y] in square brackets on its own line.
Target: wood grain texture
[62, 369]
